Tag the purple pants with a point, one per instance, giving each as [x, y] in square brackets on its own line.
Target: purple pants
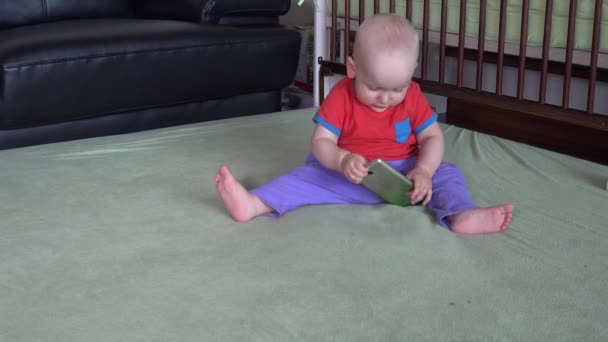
[313, 183]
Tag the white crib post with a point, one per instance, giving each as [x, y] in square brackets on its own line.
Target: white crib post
[320, 49]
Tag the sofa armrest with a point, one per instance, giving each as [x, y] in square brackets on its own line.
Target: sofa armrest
[215, 11]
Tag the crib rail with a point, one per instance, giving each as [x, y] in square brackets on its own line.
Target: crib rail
[489, 82]
[342, 30]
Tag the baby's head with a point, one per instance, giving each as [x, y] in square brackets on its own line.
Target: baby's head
[385, 56]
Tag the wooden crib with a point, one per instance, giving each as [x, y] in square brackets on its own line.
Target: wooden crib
[467, 48]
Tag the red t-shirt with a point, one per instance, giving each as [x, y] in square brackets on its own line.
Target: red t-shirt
[387, 135]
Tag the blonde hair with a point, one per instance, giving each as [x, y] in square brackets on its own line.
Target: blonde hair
[385, 33]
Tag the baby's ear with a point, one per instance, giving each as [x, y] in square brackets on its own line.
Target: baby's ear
[350, 67]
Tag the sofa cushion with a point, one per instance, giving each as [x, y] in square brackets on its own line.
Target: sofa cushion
[75, 9]
[213, 11]
[82, 68]
[22, 12]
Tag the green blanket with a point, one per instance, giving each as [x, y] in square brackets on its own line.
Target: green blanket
[536, 19]
[124, 239]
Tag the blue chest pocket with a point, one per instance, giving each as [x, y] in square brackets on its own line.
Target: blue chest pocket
[403, 130]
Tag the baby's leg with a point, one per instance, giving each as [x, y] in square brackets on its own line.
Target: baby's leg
[241, 204]
[454, 207]
[308, 184]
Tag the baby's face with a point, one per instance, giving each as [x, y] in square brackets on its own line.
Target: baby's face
[384, 80]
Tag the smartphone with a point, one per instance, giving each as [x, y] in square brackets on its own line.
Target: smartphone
[388, 183]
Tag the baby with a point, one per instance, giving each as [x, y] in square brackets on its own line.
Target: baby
[376, 112]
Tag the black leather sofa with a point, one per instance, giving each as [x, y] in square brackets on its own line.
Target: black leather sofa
[72, 69]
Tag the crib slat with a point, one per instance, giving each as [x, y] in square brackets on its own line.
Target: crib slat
[334, 30]
[376, 6]
[569, 49]
[595, 45]
[408, 9]
[392, 6]
[346, 47]
[444, 17]
[546, 41]
[480, 44]
[523, 41]
[361, 11]
[461, 28]
[501, 46]
[425, 38]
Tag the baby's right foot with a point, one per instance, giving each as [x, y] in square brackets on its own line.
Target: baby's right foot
[240, 203]
[483, 220]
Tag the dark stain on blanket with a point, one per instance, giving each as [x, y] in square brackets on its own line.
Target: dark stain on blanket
[454, 303]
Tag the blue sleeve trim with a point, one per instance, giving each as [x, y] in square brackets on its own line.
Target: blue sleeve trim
[426, 124]
[318, 119]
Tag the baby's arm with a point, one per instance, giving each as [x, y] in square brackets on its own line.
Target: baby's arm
[430, 148]
[430, 154]
[325, 149]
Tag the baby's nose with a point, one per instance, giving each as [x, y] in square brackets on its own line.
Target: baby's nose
[383, 98]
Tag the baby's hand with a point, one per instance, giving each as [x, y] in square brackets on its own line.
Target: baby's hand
[353, 167]
[423, 186]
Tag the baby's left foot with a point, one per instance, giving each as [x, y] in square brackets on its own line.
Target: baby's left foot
[483, 220]
[241, 204]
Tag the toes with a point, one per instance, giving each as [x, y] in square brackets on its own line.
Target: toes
[223, 175]
[506, 221]
[507, 212]
[219, 178]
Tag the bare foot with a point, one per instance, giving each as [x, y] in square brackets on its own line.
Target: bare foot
[240, 203]
[483, 220]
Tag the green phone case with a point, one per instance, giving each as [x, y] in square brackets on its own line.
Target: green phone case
[388, 183]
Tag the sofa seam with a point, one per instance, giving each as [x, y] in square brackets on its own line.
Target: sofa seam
[106, 55]
[44, 11]
[201, 6]
[207, 9]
